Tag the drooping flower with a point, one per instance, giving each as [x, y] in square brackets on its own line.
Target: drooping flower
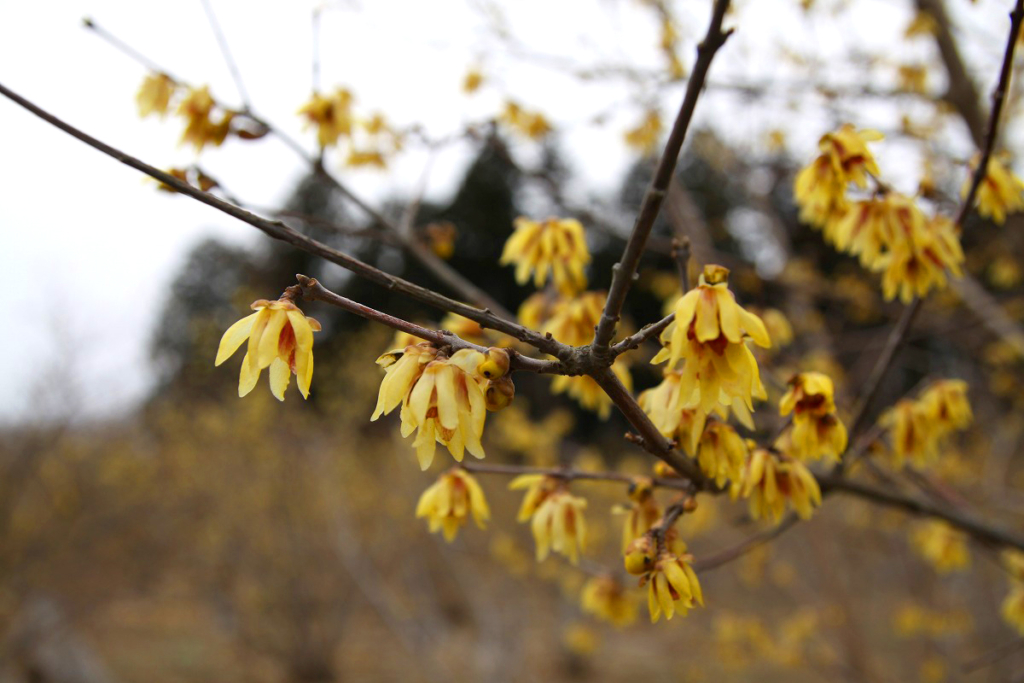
[280, 338]
[538, 488]
[558, 524]
[912, 435]
[820, 187]
[450, 501]
[1001, 192]
[817, 431]
[1012, 609]
[644, 138]
[918, 260]
[154, 96]
[200, 129]
[530, 124]
[555, 246]
[588, 393]
[641, 513]
[672, 586]
[722, 452]
[571, 319]
[771, 481]
[402, 367]
[331, 114]
[664, 405]
[942, 546]
[606, 598]
[710, 332]
[945, 404]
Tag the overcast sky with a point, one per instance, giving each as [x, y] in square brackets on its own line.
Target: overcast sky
[89, 246]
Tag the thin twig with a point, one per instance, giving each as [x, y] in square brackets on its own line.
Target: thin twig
[280, 231]
[571, 474]
[314, 291]
[646, 332]
[225, 50]
[709, 562]
[625, 270]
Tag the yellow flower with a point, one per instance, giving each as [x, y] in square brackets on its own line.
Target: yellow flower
[945, 404]
[817, 431]
[446, 405]
[538, 488]
[154, 95]
[942, 546]
[1000, 193]
[913, 435]
[331, 114]
[448, 503]
[777, 324]
[200, 129]
[848, 151]
[641, 513]
[710, 331]
[472, 81]
[607, 599]
[1013, 562]
[672, 587]
[555, 245]
[663, 404]
[912, 78]
[809, 393]
[530, 124]
[770, 481]
[558, 525]
[645, 136]
[402, 367]
[919, 262]
[820, 192]
[1013, 608]
[722, 452]
[280, 338]
[441, 238]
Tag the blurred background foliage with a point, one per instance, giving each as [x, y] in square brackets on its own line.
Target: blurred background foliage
[206, 538]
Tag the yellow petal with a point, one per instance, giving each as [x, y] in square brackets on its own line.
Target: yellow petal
[303, 330]
[234, 337]
[248, 377]
[268, 348]
[280, 373]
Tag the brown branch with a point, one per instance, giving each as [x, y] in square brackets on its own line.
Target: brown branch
[570, 474]
[225, 50]
[723, 557]
[646, 332]
[979, 529]
[314, 291]
[624, 272]
[280, 231]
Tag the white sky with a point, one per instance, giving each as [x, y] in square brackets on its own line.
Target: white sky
[89, 246]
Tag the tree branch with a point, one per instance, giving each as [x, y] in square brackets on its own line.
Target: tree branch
[570, 474]
[624, 271]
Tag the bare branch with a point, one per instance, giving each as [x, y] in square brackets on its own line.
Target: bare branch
[571, 474]
[723, 557]
[625, 269]
[225, 50]
[280, 231]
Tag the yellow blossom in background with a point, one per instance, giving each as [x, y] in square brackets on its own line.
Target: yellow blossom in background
[641, 513]
[945, 404]
[923, 24]
[817, 431]
[571, 319]
[723, 453]
[780, 331]
[441, 238]
[913, 434]
[154, 96]
[472, 81]
[200, 130]
[536, 440]
[1000, 193]
[672, 587]
[449, 502]
[538, 488]
[771, 482]
[710, 331]
[532, 125]
[663, 404]
[645, 137]
[942, 546]
[606, 598]
[1012, 608]
[556, 246]
[331, 114]
[588, 393]
[366, 157]
[918, 263]
[1004, 272]
[280, 338]
[912, 78]
[820, 187]
[558, 524]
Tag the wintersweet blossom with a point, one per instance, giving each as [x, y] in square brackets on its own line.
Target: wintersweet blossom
[555, 247]
[722, 452]
[672, 586]
[606, 598]
[710, 332]
[817, 431]
[771, 481]
[450, 501]
[280, 338]
[154, 96]
[200, 129]
[331, 114]
[1001, 192]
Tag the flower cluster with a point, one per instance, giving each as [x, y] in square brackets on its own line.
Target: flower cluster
[370, 139]
[710, 334]
[817, 431]
[888, 232]
[554, 246]
[771, 481]
[606, 598]
[918, 427]
[672, 585]
[280, 338]
[723, 453]
[449, 502]
[206, 122]
[444, 399]
[529, 124]
[556, 516]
